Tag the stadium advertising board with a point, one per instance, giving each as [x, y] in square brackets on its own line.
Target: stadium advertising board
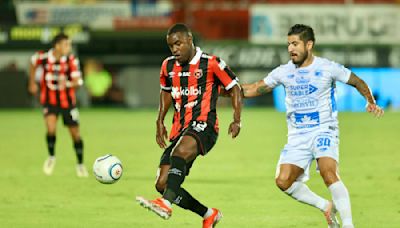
[333, 24]
[42, 34]
[99, 15]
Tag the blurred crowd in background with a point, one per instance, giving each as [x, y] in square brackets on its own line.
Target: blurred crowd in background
[121, 44]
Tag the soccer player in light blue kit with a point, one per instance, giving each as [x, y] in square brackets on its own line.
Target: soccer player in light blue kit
[313, 133]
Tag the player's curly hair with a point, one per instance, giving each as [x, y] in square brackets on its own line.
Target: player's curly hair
[179, 27]
[59, 37]
[305, 32]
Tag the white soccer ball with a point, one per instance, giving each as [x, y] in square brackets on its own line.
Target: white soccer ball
[107, 169]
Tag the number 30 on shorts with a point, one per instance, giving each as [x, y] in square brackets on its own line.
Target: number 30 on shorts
[323, 142]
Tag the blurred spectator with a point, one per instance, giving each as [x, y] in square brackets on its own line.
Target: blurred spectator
[11, 66]
[99, 83]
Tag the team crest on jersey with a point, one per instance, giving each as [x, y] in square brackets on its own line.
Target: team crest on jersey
[198, 73]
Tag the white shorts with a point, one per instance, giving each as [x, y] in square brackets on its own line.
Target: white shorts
[302, 149]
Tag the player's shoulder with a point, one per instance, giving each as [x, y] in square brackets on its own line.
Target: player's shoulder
[41, 54]
[327, 63]
[71, 56]
[284, 68]
[168, 59]
[209, 56]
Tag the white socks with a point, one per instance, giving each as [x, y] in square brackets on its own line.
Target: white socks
[302, 193]
[341, 199]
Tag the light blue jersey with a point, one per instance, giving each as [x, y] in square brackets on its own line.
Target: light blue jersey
[310, 93]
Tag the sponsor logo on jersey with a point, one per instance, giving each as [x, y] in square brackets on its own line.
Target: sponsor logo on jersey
[306, 103]
[191, 104]
[302, 80]
[311, 89]
[305, 120]
[300, 90]
[184, 74]
[303, 71]
[178, 92]
[56, 67]
[290, 76]
[318, 73]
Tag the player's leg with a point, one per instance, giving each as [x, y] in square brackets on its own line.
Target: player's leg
[185, 149]
[164, 166]
[340, 194]
[51, 125]
[186, 200]
[288, 181]
[50, 118]
[71, 120]
[161, 179]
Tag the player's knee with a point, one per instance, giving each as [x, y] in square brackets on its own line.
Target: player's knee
[329, 176]
[283, 182]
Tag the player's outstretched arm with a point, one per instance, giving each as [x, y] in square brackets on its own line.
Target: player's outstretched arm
[32, 86]
[255, 89]
[165, 103]
[365, 91]
[234, 127]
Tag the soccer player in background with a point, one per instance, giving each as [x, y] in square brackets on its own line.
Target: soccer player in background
[61, 75]
[313, 133]
[190, 80]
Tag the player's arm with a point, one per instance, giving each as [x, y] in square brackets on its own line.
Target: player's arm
[223, 92]
[75, 82]
[365, 91]
[234, 127]
[255, 89]
[32, 86]
[165, 103]
[76, 74]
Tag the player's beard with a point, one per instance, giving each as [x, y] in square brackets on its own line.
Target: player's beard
[301, 60]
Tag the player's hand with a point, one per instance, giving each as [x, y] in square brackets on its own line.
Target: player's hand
[234, 129]
[33, 88]
[375, 110]
[161, 135]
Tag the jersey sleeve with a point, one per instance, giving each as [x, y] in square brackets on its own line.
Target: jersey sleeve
[224, 73]
[74, 67]
[340, 73]
[37, 58]
[272, 79]
[165, 81]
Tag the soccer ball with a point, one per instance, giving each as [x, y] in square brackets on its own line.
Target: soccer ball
[107, 169]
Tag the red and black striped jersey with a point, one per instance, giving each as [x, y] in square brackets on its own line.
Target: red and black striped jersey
[55, 74]
[194, 88]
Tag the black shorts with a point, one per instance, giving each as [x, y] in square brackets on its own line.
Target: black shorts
[70, 115]
[205, 136]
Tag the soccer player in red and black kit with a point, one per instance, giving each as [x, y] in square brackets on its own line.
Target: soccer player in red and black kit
[61, 75]
[190, 81]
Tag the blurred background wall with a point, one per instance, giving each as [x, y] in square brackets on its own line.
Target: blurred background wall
[122, 43]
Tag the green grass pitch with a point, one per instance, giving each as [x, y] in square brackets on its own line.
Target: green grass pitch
[237, 176]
